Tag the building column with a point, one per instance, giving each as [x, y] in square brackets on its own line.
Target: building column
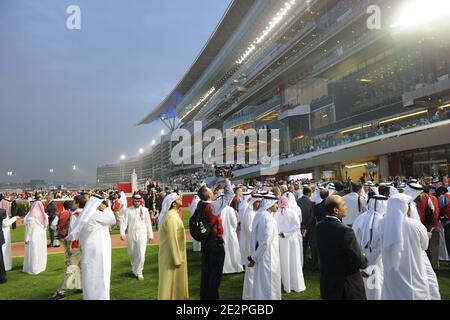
[316, 174]
[384, 167]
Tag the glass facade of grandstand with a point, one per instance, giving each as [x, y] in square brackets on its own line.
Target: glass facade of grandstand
[347, 100]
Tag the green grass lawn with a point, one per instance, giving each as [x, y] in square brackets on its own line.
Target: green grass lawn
[125, 287]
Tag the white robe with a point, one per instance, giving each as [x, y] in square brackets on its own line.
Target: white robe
[374, 283]
[246, 251]
[196, 245]
[35, 257]
[292, 278]
[443, 253]
[293, 205]
[410, 282]
[232, 263]
[267, 277]
[6, 248]
[139, 231]
[431, 275]
[95, 244]
[351, 201]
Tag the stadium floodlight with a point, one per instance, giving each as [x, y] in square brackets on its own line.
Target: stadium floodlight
[51, 170]
[141, 150]
[153, 142]
[122, 157]
[420, 12]
[162, 132]
[74, 168]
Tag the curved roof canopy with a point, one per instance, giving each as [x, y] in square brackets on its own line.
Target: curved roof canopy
[230, 21]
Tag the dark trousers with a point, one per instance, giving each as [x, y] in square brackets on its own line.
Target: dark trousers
[2, 267]
[213, 257]
[50, 231]
[433, 249]
[309, 240]
[447, 237]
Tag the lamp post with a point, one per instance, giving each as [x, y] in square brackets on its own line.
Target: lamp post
[74, 169]
[122, 166]
[51, 175]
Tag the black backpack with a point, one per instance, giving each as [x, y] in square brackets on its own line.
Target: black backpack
[198, 227]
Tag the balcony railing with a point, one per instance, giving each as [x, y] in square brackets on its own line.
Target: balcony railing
[331, 31]
[346, 50]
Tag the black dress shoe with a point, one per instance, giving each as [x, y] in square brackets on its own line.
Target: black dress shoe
[78, 291]
[4, 280]
[58, 296]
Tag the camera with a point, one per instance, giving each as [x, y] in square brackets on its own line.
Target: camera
[225, 172]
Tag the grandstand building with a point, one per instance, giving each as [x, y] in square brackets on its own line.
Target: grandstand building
[347, 98]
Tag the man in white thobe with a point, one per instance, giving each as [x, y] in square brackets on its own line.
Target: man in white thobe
[6, 227]
[92, 231]
[403, 239]
[414, 190]
[368, 236]
[290, 255]
[356, 204]
[265, 257]
[292, 203]
[196, 245]
[137, 220]
[246, 247]
[232, 263]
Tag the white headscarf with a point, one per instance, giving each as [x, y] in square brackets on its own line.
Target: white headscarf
[331, 188]
[293, 204]
[316, 195]
[377, 206]
[393, 191]
[267, 202]
[89, 209]
[165, 207]
[393, 224]
[372, 187]
[123, 200]
[413, 190]
[244, 201]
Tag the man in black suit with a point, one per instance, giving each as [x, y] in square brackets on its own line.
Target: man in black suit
[340, 256]
[51, 212]
[308, 224]
[2, 242]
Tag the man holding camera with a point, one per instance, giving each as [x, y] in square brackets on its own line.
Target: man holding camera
[213, 251]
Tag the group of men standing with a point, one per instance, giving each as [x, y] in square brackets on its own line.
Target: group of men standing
[251, 231]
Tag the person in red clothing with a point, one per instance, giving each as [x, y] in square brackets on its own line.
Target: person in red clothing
[427, 202]
[213, 251]
[67, 218]
[237, 199]
[116, 207]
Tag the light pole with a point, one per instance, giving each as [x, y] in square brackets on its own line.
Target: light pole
[51, 175]
[10, 173]
[122, 166]
[74, 169]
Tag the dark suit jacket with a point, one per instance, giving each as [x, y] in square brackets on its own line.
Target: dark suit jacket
[307, 206]
[319, 211]
[2, 217]
[341, 260]
[51, 211]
